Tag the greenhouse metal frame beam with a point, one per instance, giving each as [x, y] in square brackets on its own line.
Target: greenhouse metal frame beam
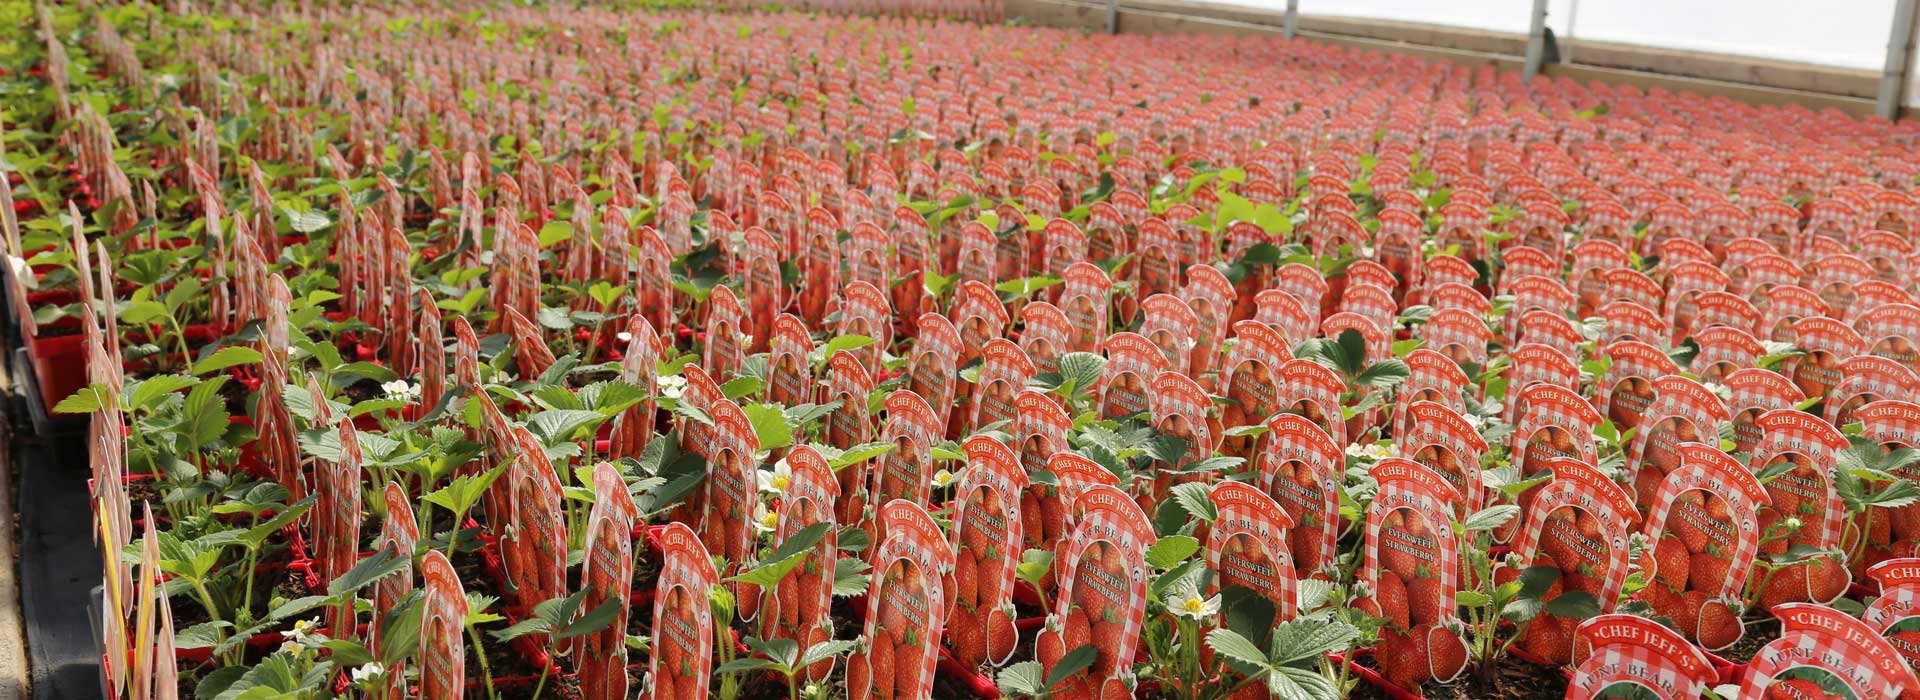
[1893, 79]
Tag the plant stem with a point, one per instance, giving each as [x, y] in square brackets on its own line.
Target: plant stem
[541, 687]
[480, 652]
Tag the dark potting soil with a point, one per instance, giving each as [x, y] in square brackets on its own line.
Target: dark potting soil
[1512, 679]
[846, 623]
[143, 491]
[1759, 633]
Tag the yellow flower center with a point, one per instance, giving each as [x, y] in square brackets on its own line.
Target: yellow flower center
[1194, 605]
[780, 481]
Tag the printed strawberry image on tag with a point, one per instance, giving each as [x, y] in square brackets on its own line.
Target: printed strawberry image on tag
[1626, 320]
[1044, 335]
[1893, 331]
[336, 518]
[1170, 325]
[790, 364]
[1704, 523]
[1536, 363]
[1825, 653]
[1723, 350]
[1827, 343]
[1132, 362]
[1753, 392]
[797, 605]
[1004, 370]
[1682, 411]
[988, 539]
[1794, 461]
[1865, 379]
[443, 619]
[1102, 595]
[1459, 335]
[1896, 613]
[980, 317]
[1251, 382]
[907, 606]
[1084, 298]
[1445, 443]
[1040, 428]
[1304, 283]
[1634, 658]
[1626, 388]
[1891, 425]
[865, 311]
[1578, 524]
[723, 352]
[1550, 328]
[906, 472]
[683, 625]
[1210, 298]
[606, 572]
[1179, 408]
[1431, 377]
[1411, 570]
[732, 491]
[1157, 260]
[1313, 391]
[1284, 313]
[1248, 546]
[533, 546]
[766, 295]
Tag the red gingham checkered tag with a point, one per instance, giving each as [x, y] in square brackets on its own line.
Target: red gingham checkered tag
[1521, 263]
[723, 351]
[1628, 320]
[1723, 350]
[1449, 446]
[732, 488]
[1133, 361]
[1756, 277]
[1368, 272]
[978, 260]
[931, 372]
[1786, 306]
[1461, 224]
[442, 622]
[906, 472]
[789, 367]
[682, 618]
[1887, 252]
[866, 311]
[1431, 377]
[1313, 391]
[1004, 371]
[797, 604]
[1052, 510]
[1295, 469]
[1248, 545]
[1592, 259]
[1455, 295]
[1044, 335]
[1449, 269]
[1106, 230]
[1866, 379]
[1103, 589]
[531, 355]
[766, 293]
[819, 260]
[1411, 547]
[1179, 408]
[1397, 247]
[1537, 292]
[1379, 345]
[1709, 504]
[1893, 331]
[1828, 344]
[607, 573]
[1799, 453]
[1040, 428]
[1083, 296]
[1834, 277]
[980, 317]
[1776, 223]
[336, 515]
[1371, 302]
[1754, 392]
[847, 426]
[1170, 326]
[1550, 328]
[1822, 650]
[1633, 285]
[1626, 389]
[1720, 308]
[1580, 523]
[1211, 298]
[1065, 245]
[1286, 314]
[1634, 657]
[1156, 263]
[907, 607]
[1873, 294]
[400, 531]
[987, 539]
[1257, 353]
[1688, 280]
[1305, 284]
[1896, 613]
[1682, 411]
[1536, 362]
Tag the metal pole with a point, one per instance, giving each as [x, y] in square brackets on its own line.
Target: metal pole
[1113, 16]
[1536, 39]
[1293, 18]
[1893, 79]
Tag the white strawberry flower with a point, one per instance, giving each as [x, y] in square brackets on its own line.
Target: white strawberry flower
[778, 479]
[764, 520]
[943, 478]
[671, 386]
[1189, 603]
[369, 672]
[401, 389]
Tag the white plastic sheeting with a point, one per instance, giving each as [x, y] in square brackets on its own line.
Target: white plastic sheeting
[1844, 33]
